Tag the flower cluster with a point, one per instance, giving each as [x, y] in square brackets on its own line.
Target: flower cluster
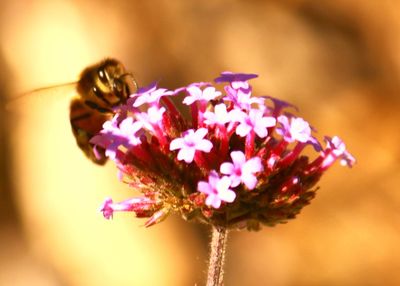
[223, 158]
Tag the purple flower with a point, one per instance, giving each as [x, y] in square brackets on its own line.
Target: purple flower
[219, 117]
[254, 143]
[217, 190]
[297, 129]
[242, 98]
[336, 149]
[190, 143]
[150, 95]
[242, 171]
[153, 117]
[196, 94]
[253, 121]
[279, 104]
[113, 136]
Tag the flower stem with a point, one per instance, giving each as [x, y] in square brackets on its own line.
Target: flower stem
[217, 256]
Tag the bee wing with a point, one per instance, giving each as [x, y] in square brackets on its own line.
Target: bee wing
[45, 96]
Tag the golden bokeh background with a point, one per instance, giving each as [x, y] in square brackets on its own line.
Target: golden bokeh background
[339, 61]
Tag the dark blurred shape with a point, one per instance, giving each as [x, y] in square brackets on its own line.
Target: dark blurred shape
[8, 211]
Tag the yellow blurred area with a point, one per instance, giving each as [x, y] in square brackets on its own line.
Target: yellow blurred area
[336, 60]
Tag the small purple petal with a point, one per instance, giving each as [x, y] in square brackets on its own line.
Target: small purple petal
[199, 134]
[196, 94]
[280, 104]
[243, 129]
[186, 154]
[250, 181]
[228, 76]
[226, 168]
[204, 145]
[238, 157]
[220, 116]
[150, 95]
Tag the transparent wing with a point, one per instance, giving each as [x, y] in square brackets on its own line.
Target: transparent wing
[44, 97]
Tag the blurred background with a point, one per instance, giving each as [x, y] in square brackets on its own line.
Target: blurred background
[337, 60]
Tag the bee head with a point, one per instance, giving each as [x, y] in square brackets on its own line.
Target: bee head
[106, 84]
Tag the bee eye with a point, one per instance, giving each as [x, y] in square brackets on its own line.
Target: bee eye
[96, 92]
[102, 75]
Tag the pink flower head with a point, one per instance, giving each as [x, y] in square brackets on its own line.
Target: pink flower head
[242, 170]
[248, 148]
[191, 142]
[217, 190]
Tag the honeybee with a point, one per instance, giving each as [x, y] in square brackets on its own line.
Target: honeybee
[100, 88]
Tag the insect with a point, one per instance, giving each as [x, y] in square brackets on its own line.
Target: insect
[100, 88]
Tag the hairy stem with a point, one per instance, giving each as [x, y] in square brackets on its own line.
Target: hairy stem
[217, 256]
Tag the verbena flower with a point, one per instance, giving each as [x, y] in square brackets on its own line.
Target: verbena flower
[217, 190]
[242, 170]
[236, 161]
[190, 143]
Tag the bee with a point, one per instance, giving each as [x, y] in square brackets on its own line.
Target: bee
[101, 87]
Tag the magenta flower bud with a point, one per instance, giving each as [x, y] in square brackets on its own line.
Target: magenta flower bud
[142, 206]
